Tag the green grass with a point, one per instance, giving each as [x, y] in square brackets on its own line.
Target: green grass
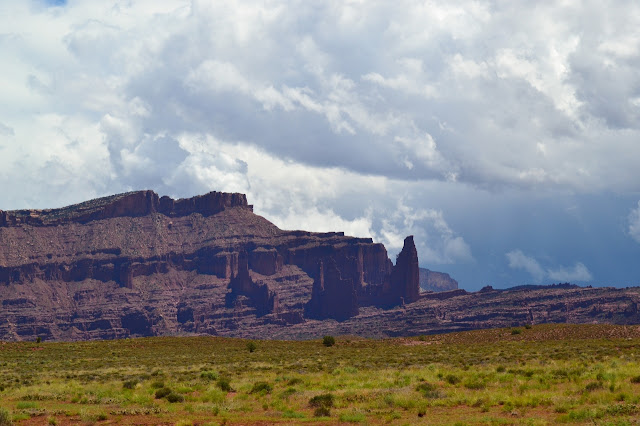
[545, 374]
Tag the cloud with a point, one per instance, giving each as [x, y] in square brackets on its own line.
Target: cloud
[6, 130]
[437, 243]
[367, 116]
[518, 260]
[634, 223]
[578, 273]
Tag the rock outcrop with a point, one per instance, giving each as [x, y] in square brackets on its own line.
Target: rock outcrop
[405, 277]
[332, 296]
[436, 281]
[136, 264]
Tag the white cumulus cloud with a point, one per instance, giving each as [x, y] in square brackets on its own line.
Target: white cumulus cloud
[634, 223]
[518, 260]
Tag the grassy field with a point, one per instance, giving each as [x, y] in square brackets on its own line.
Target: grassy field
[547, 374]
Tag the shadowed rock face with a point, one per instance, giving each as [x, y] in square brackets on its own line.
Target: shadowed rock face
[138, 264]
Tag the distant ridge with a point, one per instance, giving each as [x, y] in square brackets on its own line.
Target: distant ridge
[436, 281]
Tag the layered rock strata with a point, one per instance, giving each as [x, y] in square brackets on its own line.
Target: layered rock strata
[139, 264]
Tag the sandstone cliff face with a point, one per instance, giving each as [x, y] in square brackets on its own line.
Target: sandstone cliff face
[138, 264]
[436, 281]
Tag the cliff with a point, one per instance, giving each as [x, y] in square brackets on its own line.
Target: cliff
[138, 264]
[436, 281]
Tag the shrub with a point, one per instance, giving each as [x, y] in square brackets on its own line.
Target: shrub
[259, 387]
[474, 384]
[593, 386]
[163, 393]
[289, 414]
[428, 390]
[251, 346]
[527, 326]
[322, 412]
[352, 417]
[516, 331]
[452, 379]
[5, 417]
[328, 341]
[635, 379]
[39, 339]
[224, 384]
[324, 400]
[157, 384]
[209, 375]
[175, 397]
[295, 381]
[287, 393]
[130, 384]
[24, 405]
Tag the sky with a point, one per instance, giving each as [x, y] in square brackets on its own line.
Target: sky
[503, 135]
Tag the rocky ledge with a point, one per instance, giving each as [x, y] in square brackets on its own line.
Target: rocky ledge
[136, 264]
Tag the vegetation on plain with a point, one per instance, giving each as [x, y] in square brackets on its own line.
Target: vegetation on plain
[545, 374]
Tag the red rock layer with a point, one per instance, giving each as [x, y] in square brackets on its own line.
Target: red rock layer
[137, 264]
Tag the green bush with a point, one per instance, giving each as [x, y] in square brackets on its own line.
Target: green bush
[175, 397]
[163, 393]
[328, 341]
[593, 386]
[324, 400]
[452, 379]
[209, 375]
[635, 379]
[295, 381]
[352, 417]
[251, 346]
[259, 387]
[474, 384]
[130, 384]
[516, 331]
[25, 405]
[224, 384]
[5, 417]
[428, 390]
[322, 412]
[289, 414]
